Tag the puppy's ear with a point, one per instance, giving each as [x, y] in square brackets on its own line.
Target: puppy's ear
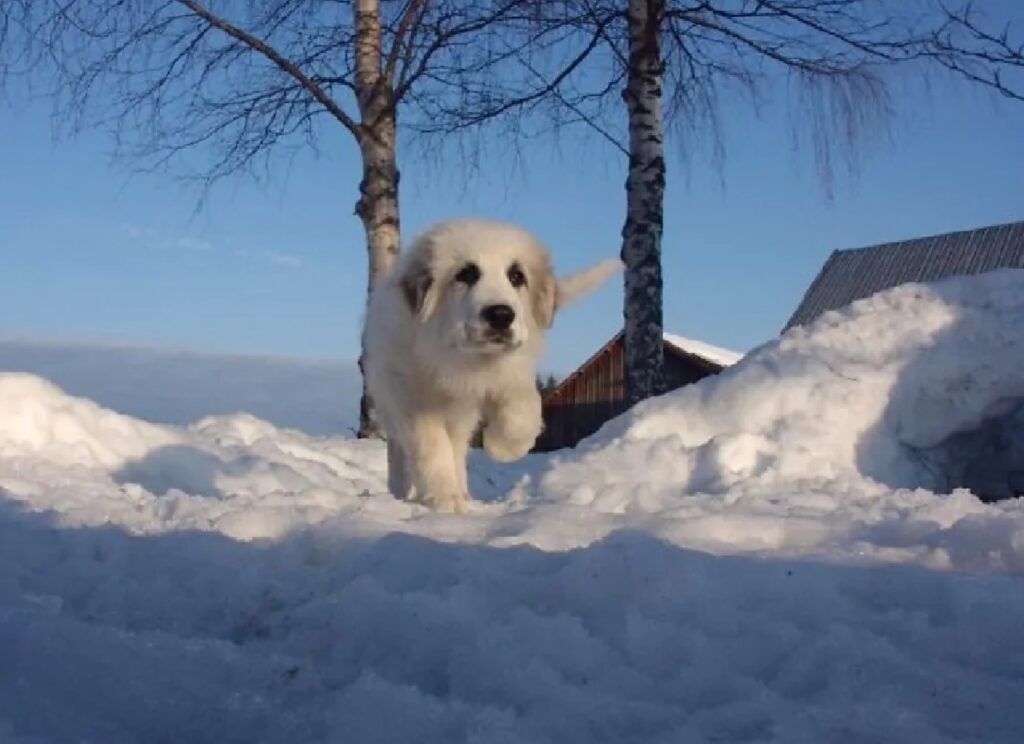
[543, 293]
[418, 287]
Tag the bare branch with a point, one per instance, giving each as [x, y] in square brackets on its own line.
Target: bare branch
[262, 47]
[545, 88]
[839, 56]
[408, 23]
[990, 58]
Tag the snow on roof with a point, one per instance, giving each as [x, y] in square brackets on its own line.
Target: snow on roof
[716, 354]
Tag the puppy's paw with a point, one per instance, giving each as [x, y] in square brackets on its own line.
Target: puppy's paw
[455, 503]
[505, 448]
[512, 430]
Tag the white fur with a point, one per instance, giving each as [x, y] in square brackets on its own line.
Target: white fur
[574, 285]
[436, 369]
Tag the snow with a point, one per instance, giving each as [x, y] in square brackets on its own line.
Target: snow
[716, 354]
[783, 552]
[178, 386]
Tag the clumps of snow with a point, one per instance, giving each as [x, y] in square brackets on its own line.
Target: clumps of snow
[769, 555]
[717, 354]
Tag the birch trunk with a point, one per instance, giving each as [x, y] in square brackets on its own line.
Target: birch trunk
[378, 191]
[645, 188]
[378, 209]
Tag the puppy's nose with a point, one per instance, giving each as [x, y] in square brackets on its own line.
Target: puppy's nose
[498, 317]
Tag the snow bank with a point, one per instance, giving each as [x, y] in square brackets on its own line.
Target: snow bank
[859, 392]
[67, 453]
[761, 557]
[820, 438]
[38, 419]
[177, 387]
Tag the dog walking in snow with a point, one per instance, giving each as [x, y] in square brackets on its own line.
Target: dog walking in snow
[451, 340]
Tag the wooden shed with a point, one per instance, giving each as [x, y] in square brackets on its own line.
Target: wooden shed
[595, 393]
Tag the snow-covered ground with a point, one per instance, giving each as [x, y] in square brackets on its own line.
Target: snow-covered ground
[761, 557]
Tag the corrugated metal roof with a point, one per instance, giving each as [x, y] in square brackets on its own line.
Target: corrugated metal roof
[851, 275]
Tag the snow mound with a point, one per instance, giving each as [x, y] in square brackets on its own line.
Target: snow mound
[177, 387]
[868, 391]
[40, 419]
[163, 474]
[837, 435]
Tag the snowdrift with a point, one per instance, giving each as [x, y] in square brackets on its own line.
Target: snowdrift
[839, 434]
[719, 564]
[178, 387]
[874, 390]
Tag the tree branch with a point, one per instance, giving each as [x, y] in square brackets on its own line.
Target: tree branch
[987, 59]
[261, 47]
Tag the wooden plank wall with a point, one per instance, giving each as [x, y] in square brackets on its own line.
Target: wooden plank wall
[597, 394]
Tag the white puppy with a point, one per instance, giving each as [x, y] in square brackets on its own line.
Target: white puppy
[451, 339]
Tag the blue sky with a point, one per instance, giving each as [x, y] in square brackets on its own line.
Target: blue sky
[89, 252]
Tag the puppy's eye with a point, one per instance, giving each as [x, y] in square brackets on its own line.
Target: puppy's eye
[468, 274]
[516, 277]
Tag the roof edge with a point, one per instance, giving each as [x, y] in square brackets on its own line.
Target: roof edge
[670, 347]
[931, 236]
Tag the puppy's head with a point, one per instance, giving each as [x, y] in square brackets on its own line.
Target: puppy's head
[486, 288]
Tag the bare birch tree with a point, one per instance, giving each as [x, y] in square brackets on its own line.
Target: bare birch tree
[213, 87]
[645, 196]
[244, 80]
[675, 60]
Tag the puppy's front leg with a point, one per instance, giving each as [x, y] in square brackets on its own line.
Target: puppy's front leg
[438, 485]
[398, 476]
[461, 426]
[513, 423]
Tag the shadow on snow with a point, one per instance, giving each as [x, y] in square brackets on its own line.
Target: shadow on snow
[191, 636]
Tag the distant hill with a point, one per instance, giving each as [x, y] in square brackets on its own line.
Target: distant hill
[177, 387]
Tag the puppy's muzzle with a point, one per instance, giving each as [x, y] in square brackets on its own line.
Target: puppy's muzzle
[498, 317]
[498, 320]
